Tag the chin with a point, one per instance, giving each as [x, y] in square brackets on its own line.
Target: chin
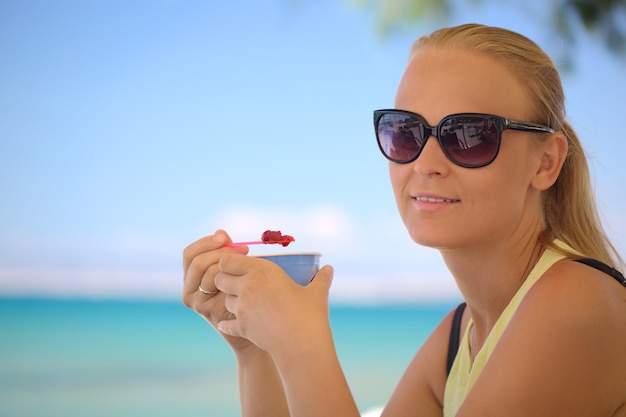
[426, 233]
[430, 240]
[429, 243]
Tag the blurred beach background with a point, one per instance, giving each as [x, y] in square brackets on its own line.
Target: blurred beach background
[131, 128]
[61, 358]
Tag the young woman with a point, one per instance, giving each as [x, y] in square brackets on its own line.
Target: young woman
[485, 169]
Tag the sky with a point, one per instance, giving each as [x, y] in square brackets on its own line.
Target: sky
[129, 129]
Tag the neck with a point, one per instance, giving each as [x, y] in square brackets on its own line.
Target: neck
[490, 275]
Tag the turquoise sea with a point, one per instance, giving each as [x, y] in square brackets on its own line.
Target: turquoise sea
[82, 358]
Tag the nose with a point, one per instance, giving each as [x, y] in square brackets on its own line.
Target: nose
[432, 161]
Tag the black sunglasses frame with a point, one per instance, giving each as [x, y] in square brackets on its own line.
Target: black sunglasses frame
[501, 124]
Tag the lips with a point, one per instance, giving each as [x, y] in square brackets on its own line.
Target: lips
[435, 199]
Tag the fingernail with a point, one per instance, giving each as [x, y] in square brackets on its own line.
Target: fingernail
[219, 238]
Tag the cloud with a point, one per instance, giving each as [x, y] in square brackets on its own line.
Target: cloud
[333, 230]
[373, 290]
[328, 229]
[106, 283]
[129, 264]
[90, 282]
[374, 259]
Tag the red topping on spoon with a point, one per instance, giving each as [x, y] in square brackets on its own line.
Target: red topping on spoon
[271, 236]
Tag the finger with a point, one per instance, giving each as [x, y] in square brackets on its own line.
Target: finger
[323, 279]
[229, 324]
[226, 283]
[196, 271]
[207, 281]
[235, 264]
[206, 244]
[238, 271]
[199, 269]
[229, 327]
[207, 293]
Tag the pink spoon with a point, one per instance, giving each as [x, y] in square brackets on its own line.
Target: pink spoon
[259, 242]
[268, 237]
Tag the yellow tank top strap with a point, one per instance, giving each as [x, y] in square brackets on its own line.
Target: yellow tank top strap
[464, 371]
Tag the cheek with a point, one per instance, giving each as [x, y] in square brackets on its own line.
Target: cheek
[500, 199]
[399, 176]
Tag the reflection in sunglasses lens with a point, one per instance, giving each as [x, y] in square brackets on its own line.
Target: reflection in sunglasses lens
[400, 136]
[466, 140]
[469, 140]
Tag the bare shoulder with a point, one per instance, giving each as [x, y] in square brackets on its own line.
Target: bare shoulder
[581, 302]
[562, 352]
[420, 391]
[585, 294]
[584, 312]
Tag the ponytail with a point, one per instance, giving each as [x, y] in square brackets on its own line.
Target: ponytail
[570, 212]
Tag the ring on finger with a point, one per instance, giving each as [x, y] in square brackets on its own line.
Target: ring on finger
[202, 290]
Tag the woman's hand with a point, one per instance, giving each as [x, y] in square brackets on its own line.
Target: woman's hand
[268, 307]
[290, 322]
[279, 330]
[200, 266]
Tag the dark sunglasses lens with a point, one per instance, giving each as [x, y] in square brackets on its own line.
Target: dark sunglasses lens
[470, 140]
[400, 136]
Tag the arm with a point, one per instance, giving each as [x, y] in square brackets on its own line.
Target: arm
[261, 390]
[314, 380]
[420, 391]
[290, 322]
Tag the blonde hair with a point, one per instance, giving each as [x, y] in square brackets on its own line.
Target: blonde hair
[569, 209]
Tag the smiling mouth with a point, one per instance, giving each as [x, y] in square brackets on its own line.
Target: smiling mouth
[436, 200]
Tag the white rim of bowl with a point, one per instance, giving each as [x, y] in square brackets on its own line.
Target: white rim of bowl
[263, 255]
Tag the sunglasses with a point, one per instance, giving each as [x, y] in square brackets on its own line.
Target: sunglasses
[471, 140]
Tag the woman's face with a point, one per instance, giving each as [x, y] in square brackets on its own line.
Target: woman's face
[447, 206]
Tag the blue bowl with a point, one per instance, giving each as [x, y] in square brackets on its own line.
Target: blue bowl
[300, 266]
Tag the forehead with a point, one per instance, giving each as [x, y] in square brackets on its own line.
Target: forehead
[437, 83]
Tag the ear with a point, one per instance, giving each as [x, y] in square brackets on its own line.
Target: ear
[552, 158]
